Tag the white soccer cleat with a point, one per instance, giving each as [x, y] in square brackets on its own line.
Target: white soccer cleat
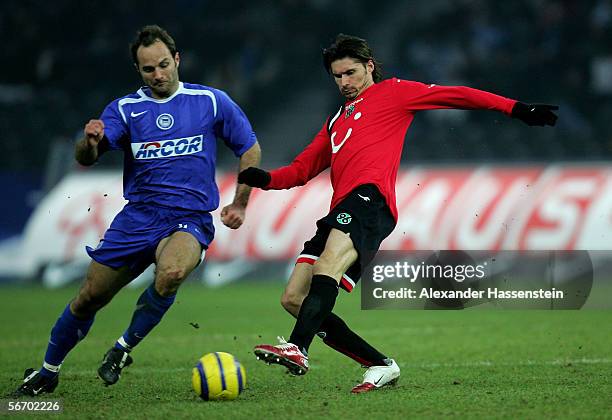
[377, 377]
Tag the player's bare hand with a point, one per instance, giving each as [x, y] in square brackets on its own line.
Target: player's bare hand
[94, 131]
[232, 216]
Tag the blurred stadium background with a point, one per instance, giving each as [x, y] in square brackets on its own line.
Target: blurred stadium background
[532, 187]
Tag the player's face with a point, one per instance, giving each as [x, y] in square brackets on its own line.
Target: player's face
[352, 76]
[158, 69]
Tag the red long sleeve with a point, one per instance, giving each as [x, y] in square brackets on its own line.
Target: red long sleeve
[309, 163]
[416, 96]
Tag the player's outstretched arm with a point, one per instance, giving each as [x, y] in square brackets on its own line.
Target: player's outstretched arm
[314, 159]
[535, 114]
[86, 150]
[416, 96]
[233, 214]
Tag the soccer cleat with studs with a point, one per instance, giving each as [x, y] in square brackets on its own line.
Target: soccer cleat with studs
[378, 376]
[286, 354]
[113, 362]
[35, 384]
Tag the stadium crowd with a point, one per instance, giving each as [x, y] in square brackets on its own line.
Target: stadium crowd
[67, 61]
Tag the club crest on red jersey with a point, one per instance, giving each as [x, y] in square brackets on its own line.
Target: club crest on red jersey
[350, 108]
[349, 111]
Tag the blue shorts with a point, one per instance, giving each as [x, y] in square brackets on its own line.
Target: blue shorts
[133, 236]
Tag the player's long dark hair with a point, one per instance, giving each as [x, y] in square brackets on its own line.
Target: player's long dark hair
[352, 47]
[147, 35]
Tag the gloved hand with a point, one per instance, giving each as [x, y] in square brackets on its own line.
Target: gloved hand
[535, 114]
[254, 177]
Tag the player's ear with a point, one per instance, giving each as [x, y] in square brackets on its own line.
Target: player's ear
[370, 66]
[136, 68]
[177, 59]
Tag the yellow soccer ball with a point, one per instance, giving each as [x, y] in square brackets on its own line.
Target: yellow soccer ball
[218, 376]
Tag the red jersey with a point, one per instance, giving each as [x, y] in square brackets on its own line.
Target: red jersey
[363, 141]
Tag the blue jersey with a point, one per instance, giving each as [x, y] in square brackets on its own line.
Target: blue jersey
[170, 145]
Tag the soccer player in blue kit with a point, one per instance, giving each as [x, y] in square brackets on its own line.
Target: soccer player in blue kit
[168, 132]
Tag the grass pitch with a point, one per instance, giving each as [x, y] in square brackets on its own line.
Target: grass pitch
[473, 363]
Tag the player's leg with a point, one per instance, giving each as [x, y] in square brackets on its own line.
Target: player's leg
[336, 334]
[297, 288]
[100, 285]
[337, 256]
[334, 331]
[176, 256]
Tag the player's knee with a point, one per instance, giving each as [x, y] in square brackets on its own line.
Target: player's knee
[171, 274]
[292, 302]
[169, 279]
[87, 303]
[167, 290]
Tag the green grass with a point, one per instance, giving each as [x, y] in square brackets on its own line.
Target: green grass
[473, 363]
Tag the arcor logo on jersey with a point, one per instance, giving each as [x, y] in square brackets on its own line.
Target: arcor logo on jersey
[167, 148]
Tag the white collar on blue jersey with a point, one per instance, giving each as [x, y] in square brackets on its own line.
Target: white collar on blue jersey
[143, 94]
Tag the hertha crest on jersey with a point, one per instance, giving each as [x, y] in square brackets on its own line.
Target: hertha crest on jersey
[167, 148]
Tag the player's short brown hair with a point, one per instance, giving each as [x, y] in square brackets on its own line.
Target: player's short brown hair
[353, 47]
[147, 35]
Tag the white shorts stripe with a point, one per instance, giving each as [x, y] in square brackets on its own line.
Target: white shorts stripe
[307, 256]
[347, 278]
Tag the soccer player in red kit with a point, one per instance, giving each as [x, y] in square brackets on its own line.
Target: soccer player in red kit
[362, 143]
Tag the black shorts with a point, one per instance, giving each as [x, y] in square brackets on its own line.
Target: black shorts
[365, 215]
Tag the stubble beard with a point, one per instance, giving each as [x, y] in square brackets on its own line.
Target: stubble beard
[353, 95]
[166, 91]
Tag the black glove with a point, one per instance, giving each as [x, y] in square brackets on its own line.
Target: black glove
[254, 177]
[535, 114]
